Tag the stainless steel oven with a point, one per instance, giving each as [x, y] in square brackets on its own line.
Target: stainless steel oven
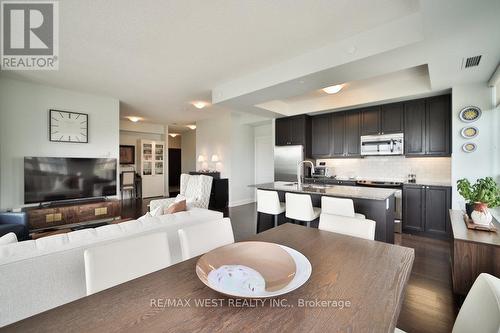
[387, 144]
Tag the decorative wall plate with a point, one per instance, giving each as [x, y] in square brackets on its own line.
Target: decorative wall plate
[470, 114]
[469, 132]
[253, 269]
[469, 147]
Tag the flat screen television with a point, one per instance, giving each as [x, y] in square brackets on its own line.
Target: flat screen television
[48, 179]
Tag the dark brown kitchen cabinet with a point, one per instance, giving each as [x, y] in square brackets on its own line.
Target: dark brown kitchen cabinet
[391, 118]
[425, 210]
[345, 128]
[294, 130]
[338, 134]
[321, 136]
[370, 121]
[427, 127]
[352, 134]
[382, 119]
[438, 123]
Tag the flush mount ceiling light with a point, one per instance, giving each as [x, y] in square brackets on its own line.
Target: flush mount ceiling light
[192, 127]
[333, 89]
[199, 104]
[173, 134]
[134, 119]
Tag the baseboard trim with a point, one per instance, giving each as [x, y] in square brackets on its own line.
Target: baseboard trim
[241, 202]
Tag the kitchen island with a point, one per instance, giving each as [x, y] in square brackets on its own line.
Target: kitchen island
[375, 203]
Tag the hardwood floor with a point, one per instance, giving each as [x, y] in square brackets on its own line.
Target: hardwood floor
[429, 304]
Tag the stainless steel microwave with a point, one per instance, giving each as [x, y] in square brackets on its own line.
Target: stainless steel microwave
[387, 144]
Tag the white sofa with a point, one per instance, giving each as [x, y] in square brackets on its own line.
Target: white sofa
[38, 275]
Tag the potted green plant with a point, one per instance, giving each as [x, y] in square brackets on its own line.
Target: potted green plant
[484, 194]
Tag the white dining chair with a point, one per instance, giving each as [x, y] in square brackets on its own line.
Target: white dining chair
[480, 311]
[299, 207]
[351, 226]
[268, 202]
[120, 261]
[339, 206]
[201, 238]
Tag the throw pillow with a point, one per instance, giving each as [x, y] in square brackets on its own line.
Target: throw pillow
[8, 238]
[157, 211]
[176, 207]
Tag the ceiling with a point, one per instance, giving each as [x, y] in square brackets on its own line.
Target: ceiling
[265, 58]
[158, 56]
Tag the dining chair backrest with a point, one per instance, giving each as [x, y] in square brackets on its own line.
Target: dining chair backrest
[119, 261]
[337, 206]
[128, 178]
[299, 206]
[350, 226]
[480, 311]
[268, 202]
[201, 238]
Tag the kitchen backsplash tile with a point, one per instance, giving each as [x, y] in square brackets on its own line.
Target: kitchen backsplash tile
[392, 168]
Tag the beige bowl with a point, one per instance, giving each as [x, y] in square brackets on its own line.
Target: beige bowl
[273, 262]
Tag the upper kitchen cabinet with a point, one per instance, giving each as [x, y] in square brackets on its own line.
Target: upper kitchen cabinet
[294, 130]
[321, 136]
[382, 119]
[427, 127]
[345, 128]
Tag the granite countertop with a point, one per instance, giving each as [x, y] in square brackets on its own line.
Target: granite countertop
[356, 192]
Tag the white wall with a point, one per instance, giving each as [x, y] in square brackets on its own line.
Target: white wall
[188, 151]
[24, 130]
[232, 139]
[485, 161]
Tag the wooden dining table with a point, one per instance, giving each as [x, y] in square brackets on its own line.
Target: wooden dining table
[356, 285]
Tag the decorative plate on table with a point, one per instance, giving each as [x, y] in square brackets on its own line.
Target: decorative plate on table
[469, 132]
[470, 114]
[469, 147]
[253, 269]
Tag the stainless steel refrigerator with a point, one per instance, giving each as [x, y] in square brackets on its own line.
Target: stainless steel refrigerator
[286, 159]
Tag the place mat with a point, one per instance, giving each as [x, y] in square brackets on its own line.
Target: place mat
[471, 225]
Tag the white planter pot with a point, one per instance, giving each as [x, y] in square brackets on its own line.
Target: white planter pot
[482, 218]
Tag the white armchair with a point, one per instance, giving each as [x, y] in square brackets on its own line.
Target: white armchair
[196, 189]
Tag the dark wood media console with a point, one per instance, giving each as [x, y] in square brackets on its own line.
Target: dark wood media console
[66, 214]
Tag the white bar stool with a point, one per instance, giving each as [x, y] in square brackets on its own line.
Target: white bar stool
[339, 206]
[299, 207]
[268, 202]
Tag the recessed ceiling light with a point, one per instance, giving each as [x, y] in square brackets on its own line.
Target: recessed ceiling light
[134, 119]
[333, 89]
[199, 104]
[192, 127]
[173, 134]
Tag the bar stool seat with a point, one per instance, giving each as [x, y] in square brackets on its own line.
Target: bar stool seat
[299, 207]
[339, 206]
[268, 202]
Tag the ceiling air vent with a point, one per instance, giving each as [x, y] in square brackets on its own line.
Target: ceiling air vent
[471, 61]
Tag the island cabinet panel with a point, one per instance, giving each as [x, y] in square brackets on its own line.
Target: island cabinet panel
[391, 118]
[414, 128]
[352, 134]
[321, 136]
[425, 210]
[438, 116]
[370, 121]
[338, 134]
[294, 130]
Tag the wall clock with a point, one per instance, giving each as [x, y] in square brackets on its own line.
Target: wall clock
[65, 126]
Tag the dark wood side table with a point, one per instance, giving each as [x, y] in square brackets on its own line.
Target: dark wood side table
[473, 252]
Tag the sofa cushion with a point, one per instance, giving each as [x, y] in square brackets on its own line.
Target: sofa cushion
[8, 239]
[82, 236]
[109, 230]
[52, 242]
[18, 249]
[176, 207]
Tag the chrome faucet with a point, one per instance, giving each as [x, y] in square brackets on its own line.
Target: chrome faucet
[299, 178]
